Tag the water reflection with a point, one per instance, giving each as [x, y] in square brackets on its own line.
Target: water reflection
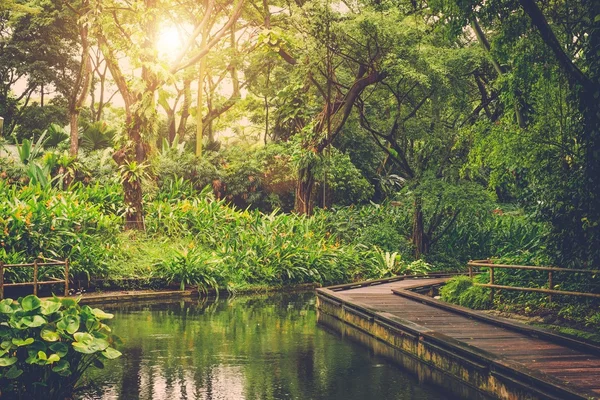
[244, 348]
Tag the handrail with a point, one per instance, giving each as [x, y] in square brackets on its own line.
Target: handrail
[36, 283]
[550, 291]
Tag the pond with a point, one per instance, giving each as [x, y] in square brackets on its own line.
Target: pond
[247, 347]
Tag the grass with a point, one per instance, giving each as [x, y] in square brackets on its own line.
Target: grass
[139, 254]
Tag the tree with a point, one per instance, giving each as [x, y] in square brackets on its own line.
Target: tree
[132, 30]
[38, 48]
[552, 48]
[415, 117]
[358, 46]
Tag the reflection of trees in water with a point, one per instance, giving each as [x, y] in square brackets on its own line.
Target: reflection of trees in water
[130, 384]
[260, 347]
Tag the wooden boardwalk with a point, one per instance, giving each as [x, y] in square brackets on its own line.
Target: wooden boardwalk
[561, 367]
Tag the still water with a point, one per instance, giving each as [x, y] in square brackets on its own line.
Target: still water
[259, 347]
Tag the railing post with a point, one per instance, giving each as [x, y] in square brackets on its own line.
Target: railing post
[550, 286]
[66, 277]
[491, 283]
[35, 276]
[1, 280]
[470, 271]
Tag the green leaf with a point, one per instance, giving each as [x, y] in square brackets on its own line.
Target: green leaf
[59, 348]
[6, 361]
[53, 358]
[6, 306]
[83, 337]
[62, 368]
[86, 346]
[33, 321]
[41, 355]
[50, 306]
[83, 348]
[67, 302]
[13, 372]
[49, 334]
[69, 323]
[22, 342]
[31, 302]
[37, 346]
[111, 353]
[92, 325]
[101, 314]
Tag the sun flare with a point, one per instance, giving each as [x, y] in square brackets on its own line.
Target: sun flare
[169, 42]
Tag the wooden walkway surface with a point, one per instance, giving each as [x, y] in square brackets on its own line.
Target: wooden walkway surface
[577, 367]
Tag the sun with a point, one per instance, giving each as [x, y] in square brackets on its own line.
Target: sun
[169, 42]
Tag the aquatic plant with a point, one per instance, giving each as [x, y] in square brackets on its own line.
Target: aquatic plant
[47, 345]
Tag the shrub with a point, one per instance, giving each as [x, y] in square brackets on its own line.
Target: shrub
[55, 224]
[390, 264]
[460, 290]
[345, 181]
[173, 164]
[46, 346]
[192, 267]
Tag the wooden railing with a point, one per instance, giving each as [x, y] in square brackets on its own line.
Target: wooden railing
[36, 265]
[550, 291]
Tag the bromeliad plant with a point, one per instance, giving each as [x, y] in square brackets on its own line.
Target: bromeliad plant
[47, 345]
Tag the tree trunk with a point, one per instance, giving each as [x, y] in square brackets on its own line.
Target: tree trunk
[74, 125]
[171, 126]
[132, 185]
[185, 109]
[134, 216]
[419, 237]
[304, 191]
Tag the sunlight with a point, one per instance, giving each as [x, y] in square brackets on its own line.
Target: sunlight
[169, 42]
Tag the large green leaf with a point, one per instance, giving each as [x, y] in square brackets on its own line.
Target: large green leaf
[88, 344]
[33, 321]
[111, 353]
[52, 359]
[31, 302]
[50, 306]
[6, 361]
[49, 334]
[59, 348]
[101, 314]
[22, 342]
[13, 372]
[62, 367]
[6, 306]
[69, 323]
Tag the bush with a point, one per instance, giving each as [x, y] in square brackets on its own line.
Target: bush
[192, 267]
[261, 249]
[55, 224]
[374, 225]
[347, 184]
[460, 290]
[34, 119]
[46, 346]
[173, 164]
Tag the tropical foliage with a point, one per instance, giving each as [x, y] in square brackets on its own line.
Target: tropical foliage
[48, 344]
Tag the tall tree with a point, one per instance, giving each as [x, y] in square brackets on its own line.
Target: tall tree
[132, 29]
